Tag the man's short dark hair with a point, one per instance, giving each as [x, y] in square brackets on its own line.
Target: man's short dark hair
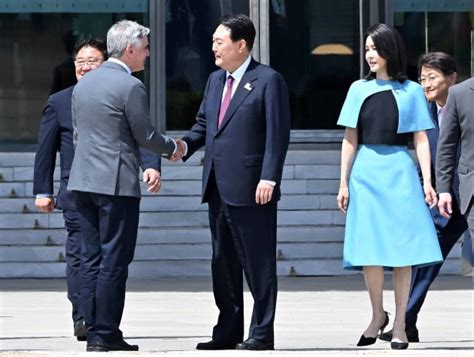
[438, 60]
[390, 47]
[96, 43]
[240, 27]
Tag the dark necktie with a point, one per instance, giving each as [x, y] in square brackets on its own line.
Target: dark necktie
[226, 101]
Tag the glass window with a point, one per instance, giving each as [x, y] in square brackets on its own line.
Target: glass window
[314, 44]
[448, 29]
[36, 42]
[189, 58]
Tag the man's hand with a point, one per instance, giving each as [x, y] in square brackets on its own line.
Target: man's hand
[264, 193]
[180, 150]
[45, 204]
[152, 178]
[445, 204]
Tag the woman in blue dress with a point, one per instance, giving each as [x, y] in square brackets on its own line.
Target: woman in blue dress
[388, 224]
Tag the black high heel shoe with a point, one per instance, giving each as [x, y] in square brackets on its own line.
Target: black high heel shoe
[399, 345]
[367, 341]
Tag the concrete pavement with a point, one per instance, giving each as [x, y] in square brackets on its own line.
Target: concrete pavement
[316, 316]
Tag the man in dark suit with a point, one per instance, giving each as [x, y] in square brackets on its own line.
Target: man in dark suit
[111, 120]
[437, 72]
[244, 123]
[55, 135]
[457, 139]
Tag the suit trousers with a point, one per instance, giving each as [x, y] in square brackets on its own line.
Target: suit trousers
[73, 262]
[423, 276]
[470, 222]
[109, 227]
[243, 240]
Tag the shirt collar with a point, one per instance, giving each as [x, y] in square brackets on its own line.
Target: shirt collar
[439, 108]
[239, 72]
[116, 60]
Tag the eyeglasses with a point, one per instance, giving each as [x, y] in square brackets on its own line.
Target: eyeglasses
[428, 80]
[90, 62]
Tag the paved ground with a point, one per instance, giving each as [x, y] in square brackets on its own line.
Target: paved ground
[321, 316]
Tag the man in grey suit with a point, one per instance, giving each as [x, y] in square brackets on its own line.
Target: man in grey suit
[111, 120]
[457, 129]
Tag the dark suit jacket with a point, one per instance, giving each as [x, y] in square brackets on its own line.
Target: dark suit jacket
[433, 136]
[252, 142]
[457, 131]
[55, 135]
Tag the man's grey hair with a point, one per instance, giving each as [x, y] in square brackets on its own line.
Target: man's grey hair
[122, 34]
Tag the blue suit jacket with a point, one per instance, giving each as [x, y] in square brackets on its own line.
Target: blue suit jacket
[433, 136]
[252, 142]
[55, 134]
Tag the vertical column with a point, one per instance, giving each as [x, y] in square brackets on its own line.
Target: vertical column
[157, 64]
[260, 15]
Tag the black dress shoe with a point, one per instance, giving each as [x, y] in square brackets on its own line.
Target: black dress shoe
[412, 335]
[214, 345]
[80, 330]
[367, 341]
[106, 347]
[255, 345]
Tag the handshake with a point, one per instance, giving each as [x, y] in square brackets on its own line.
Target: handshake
[181, 150]
[152, 177]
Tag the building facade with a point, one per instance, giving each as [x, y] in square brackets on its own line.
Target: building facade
[316, 44]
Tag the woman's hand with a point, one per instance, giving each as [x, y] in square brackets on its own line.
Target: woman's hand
[343, 198]
[430, 195]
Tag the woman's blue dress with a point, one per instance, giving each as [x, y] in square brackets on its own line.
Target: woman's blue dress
[388, 222]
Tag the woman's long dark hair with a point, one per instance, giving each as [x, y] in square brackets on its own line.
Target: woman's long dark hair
[390, 46]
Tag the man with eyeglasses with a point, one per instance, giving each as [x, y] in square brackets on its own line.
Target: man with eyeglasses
[437, 72]
[55, 135]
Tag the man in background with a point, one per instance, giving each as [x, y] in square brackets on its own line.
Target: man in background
[437, 73]
[55, 135]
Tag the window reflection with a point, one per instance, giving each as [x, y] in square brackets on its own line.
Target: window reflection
[315, 45]
[35, 57]
[189, 59]
[449, 32]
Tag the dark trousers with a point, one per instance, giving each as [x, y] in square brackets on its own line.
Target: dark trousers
[469, 215]
[243, 240]
[109, 227]
[422, 277]
[73, 262]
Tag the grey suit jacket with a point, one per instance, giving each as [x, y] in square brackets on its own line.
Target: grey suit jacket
[457, 127]
[111, 119]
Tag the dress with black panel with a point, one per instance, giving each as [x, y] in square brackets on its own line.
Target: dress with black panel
[388, 222]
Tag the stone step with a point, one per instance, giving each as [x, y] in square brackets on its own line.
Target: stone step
[178, 173]
[147, 235]
[188, 187]
[21, 159]
[293, 157]
[167, 268]
[185, 251]
[171, 251]
[172, 219]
